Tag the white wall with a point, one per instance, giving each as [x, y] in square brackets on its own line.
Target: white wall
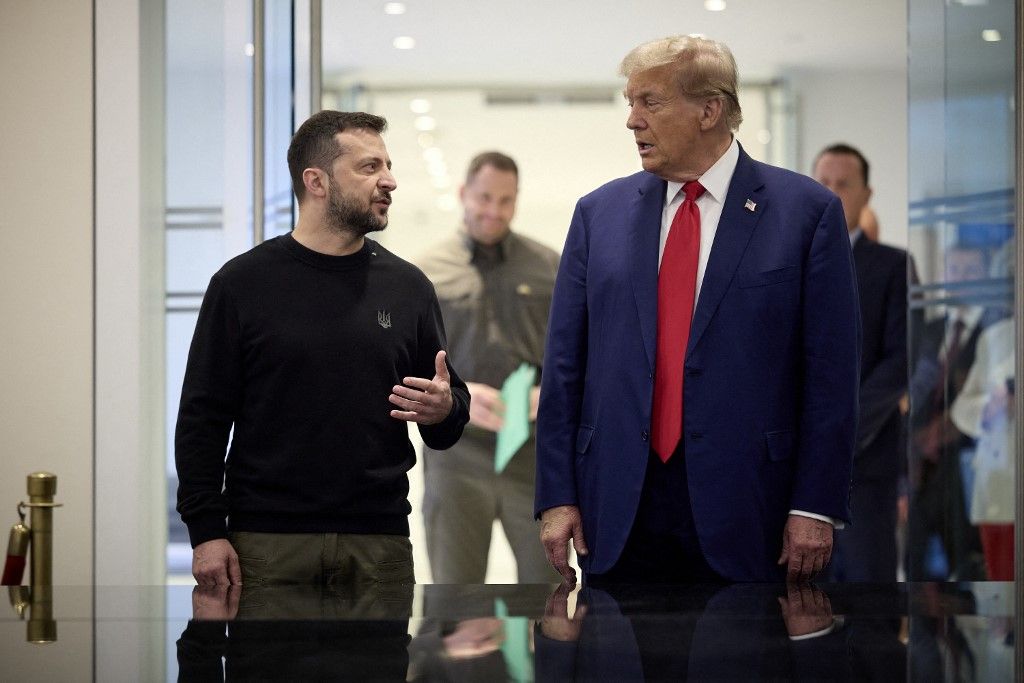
[866, 109]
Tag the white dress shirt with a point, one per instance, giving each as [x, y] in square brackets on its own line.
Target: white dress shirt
[716, 182]
[854, 236]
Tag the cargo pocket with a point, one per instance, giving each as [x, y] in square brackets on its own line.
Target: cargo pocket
[252, 564]
[394, 563]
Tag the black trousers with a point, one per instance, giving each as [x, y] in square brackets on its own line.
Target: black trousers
[663, 546]
[865, 551]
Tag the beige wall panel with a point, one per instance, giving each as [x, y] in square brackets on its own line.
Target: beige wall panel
[46, 233]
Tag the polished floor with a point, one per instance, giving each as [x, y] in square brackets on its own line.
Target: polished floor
[741, 632]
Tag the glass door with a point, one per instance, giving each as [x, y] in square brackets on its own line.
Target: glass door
[962, 441]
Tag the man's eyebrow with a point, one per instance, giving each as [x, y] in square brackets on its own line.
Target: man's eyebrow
[375, 159]
[639, 95]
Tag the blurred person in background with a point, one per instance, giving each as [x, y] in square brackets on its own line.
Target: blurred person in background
[494, 286]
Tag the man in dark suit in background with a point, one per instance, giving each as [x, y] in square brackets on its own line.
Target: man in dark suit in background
[697, 417]
[866, 550]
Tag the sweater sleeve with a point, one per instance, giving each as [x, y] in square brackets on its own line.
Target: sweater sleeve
[446, 433]
[210, 404]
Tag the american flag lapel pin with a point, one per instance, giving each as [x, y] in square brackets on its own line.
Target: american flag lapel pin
[750, 205]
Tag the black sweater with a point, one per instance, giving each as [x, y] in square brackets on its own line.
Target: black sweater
[298, 351]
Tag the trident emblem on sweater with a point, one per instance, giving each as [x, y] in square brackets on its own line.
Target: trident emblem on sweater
[384, 319]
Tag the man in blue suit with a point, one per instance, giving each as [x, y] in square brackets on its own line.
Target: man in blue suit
[699, 399]
[866, 550]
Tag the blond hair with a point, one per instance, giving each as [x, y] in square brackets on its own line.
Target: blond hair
[704, 68]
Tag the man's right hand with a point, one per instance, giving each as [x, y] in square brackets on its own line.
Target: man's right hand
[215, 563]
[557, 526]
[486, 409]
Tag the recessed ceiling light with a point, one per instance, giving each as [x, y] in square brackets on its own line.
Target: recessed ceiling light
[394, 8]
[424, 123]
[419, 106]
[404, 42]
[764, 136]
[990, 35]
[714, 5]
[249, 49]
[425, 140]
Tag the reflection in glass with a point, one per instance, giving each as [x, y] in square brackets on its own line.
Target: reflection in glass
[300, 632]
[734, 632]
[962, 395]
[536, 632]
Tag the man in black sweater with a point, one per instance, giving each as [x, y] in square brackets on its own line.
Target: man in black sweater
[315, 347]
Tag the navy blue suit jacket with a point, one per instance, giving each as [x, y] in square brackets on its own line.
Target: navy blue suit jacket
[771, 369]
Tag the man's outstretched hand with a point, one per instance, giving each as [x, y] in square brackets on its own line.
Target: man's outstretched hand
[424, 401]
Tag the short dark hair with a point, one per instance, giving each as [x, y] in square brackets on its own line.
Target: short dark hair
[502, 162]
[843, 148]
[314, 146]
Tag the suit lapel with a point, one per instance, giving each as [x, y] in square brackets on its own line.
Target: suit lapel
[734, 230]
[645, 221]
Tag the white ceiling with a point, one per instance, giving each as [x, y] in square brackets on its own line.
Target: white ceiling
[582, 41]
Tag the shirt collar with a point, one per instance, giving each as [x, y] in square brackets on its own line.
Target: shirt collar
[855, 235]
[716, 179]
[488, 254]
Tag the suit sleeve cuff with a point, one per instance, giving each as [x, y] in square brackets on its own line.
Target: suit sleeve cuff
[836, 523]
[837, 622]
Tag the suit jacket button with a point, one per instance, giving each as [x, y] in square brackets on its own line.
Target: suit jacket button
[644, 435]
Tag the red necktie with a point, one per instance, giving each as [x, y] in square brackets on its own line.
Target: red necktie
[677, 285]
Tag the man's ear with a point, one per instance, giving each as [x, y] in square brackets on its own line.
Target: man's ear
[712, 113]
[315, 180]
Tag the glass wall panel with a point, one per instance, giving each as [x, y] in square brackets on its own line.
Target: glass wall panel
[961, 427]
[279, 123]
[209, 187]
[209, 151]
